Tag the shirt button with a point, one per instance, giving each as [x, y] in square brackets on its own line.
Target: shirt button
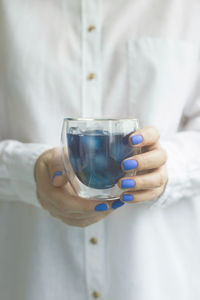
[91, 28]
[96, 294]
[91, 76]
[93, 240]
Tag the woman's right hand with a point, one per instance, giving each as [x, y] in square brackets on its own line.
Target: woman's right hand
[57, 196]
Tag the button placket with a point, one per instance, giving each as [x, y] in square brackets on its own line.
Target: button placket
[95, 260]
[91, 107]
[91, 56]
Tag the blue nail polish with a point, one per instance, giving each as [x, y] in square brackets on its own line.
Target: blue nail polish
[127, 197]
[58, 173]
[136, 139]
[130, 164]
[101, 207]
[117, 204]
[127, 183]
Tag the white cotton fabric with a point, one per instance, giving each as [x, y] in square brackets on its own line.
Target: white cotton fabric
[145, 57]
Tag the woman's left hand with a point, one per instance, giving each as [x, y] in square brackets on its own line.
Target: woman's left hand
[148, 186]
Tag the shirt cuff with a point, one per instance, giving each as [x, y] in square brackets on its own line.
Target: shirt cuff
[178, 185]
[20, 164]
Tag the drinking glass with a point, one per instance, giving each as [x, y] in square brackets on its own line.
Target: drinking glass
[92, 153]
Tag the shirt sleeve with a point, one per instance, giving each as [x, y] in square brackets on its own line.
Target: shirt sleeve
[183, 162]
[17, 161]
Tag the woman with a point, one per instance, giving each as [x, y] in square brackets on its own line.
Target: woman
[99, 59]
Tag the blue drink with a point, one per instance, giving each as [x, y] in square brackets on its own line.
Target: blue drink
[96, 157]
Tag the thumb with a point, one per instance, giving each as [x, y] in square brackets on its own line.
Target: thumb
[59, 178]
[57, 172]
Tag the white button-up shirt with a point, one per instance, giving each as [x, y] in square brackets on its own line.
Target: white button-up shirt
[110, 59]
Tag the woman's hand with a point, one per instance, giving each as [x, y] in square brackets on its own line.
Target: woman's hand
[149, 186]
[57, 196]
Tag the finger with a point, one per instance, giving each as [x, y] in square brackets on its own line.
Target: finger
[75, 215]
[63, 200]
[85, 215]
[57, 173]
[145, 161]
[117, 203]
[154, 179]
[141, 196]
[66, 202]
[144, 137]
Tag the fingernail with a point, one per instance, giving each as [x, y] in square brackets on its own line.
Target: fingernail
[127, 183]
[127, 197]
[117, 204]
[130, 164]
[101, 207]
[58, 173]
[137, 139]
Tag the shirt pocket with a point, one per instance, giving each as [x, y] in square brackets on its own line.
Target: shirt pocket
[162, 73]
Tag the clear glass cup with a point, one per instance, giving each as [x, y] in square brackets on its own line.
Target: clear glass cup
[92, 152]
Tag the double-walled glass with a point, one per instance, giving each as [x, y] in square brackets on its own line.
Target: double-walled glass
[93, 150]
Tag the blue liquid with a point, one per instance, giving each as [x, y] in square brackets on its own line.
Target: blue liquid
[96, 157]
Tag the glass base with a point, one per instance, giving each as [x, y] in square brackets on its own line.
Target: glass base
[98, 197]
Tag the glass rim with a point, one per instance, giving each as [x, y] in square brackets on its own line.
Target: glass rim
[91, 119]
